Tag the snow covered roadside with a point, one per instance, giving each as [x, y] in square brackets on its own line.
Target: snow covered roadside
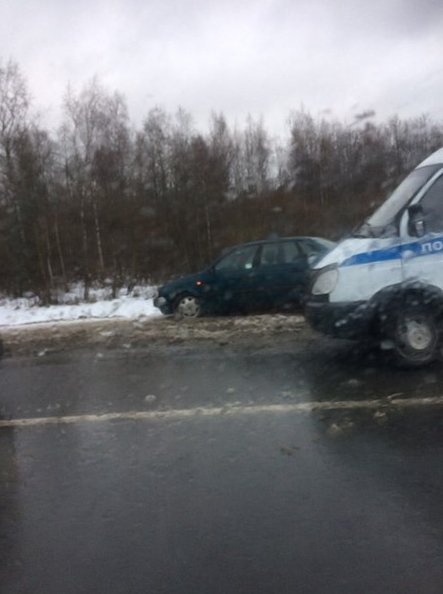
[136, 304]
[129, 322]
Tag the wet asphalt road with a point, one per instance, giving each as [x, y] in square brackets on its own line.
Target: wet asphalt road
[224, 492]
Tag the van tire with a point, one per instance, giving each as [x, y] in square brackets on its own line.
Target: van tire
[415, 336]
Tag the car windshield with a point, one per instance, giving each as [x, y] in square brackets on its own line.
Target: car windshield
[382, 222]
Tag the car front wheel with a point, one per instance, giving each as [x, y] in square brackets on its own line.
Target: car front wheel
[187, 306]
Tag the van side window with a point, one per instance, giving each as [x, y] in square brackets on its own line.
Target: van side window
[432, 204]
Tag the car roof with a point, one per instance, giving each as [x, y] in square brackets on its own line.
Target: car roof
[279, 239]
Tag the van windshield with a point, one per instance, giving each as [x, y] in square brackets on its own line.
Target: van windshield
[386, 215]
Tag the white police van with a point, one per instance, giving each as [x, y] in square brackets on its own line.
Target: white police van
[386, 280]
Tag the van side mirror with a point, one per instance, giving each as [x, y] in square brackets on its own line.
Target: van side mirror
[416, 225]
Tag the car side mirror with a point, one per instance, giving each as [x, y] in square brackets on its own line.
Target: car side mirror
[417, 225]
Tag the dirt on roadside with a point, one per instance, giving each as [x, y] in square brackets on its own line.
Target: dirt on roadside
[255, 331]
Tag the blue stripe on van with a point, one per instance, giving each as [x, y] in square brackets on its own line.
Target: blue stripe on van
[414, 249]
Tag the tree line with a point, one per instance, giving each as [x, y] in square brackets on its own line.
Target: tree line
[102, 200]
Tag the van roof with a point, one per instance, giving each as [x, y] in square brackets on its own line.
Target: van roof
[433, 159]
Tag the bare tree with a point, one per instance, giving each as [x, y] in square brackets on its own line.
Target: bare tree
[14, 104]
[95, 126]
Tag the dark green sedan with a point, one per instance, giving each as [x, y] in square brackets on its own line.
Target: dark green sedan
[257, 276]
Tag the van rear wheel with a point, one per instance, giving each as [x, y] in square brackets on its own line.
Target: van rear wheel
[415, 337]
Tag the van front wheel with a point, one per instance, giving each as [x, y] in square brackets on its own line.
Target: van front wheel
[415, 336]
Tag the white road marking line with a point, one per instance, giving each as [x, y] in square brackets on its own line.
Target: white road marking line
[229, 410]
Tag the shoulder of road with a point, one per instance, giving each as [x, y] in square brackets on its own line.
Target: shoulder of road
[257, 330]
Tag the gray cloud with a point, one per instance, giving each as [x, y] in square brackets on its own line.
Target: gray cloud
[261, 57]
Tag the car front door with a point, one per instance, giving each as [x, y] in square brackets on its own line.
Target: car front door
[234, 284]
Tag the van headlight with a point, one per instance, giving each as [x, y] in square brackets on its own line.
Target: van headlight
[325, 282]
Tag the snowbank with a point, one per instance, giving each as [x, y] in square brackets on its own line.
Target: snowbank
[129, 305]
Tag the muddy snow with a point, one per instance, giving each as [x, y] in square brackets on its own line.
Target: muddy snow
[255, 331]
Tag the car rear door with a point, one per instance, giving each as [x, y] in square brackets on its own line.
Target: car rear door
[281, 272]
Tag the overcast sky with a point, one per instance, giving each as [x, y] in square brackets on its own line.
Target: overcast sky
[263, 57]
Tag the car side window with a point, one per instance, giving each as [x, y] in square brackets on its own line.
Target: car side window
[309, 247]
[291, 252]
[283, 252]
[271, 254]
[241, 258]
[432, 205]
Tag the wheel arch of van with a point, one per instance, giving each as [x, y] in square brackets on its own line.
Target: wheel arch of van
[412, 292]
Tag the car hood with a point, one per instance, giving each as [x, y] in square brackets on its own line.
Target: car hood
[183, 281]
[354, 246]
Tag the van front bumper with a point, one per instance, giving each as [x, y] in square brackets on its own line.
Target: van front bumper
[342, 320]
